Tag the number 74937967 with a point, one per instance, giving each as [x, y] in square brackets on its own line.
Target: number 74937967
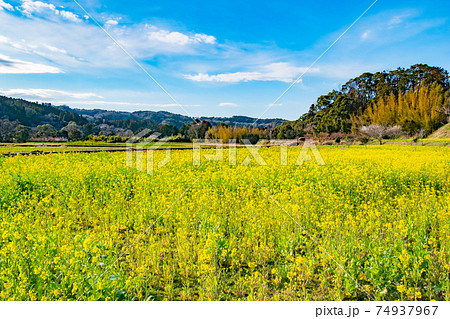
[407, 310]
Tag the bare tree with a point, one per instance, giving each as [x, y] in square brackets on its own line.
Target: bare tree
[374, 131]
[378, 132]
[393, 131]
[446, 110]
[419, 135]
[310, 128]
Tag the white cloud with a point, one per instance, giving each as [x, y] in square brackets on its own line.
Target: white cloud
[7, 6]
[168, 37]
[365, 35]
[227, 104]
[69, 16]
[30, 8]
[281, 71]
[50, 33]
[398, 19]
[200, 37]
[14, 66]
[54, 49]
[80, 99]
[178, 38]
[35, 49]
[111, 22]
[47, 94]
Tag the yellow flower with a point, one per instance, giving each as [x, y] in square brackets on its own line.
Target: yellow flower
[401, 288]
[56, 292]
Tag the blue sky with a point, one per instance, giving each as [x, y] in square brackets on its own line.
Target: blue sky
[215, 58]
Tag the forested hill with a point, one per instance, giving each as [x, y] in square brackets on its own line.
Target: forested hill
[164, 117]
[33, 114]
[21, 120]
[414, 98]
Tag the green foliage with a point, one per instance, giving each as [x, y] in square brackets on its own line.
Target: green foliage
[22, 133]
[168, 130]
[364, 140]
[46, 130]
[34, 114]
[74, 135]
[7, 129]
[46, 121]
[346, 109]
[286, 132]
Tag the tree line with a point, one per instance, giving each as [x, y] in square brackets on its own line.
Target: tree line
[22, 121]
[413, 99]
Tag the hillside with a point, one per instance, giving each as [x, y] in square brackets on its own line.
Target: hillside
[164, 117]
[20, 120]
[412, 99]
[443, 132]
[33, 114]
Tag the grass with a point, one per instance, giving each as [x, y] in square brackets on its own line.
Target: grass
[427, 141]
[105, 144]
[82, 226]
[76, 146]
[443, 132]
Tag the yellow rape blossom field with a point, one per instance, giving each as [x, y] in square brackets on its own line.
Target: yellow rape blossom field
[371, 224]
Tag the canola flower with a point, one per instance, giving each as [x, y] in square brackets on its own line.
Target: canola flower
[82, 227]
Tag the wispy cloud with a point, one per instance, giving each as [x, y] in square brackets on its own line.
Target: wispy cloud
[7, 6]
[39, 49]
[82, 99]
[47, 94]
[365, 35]
[227, 104]
[15, 66]
[65, 38]
[281, 71]
[112, 104]
[394, 26]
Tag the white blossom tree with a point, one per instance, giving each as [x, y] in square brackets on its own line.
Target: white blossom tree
[378, 132]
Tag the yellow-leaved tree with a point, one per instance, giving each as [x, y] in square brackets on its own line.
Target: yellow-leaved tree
[414, 110]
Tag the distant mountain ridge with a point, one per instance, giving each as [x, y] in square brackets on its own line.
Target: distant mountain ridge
[164, 117]
[21, 120]
[33, 114]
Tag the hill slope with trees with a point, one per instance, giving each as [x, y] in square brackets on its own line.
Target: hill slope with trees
[413, 99]
[33, 114]
[22, 120]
